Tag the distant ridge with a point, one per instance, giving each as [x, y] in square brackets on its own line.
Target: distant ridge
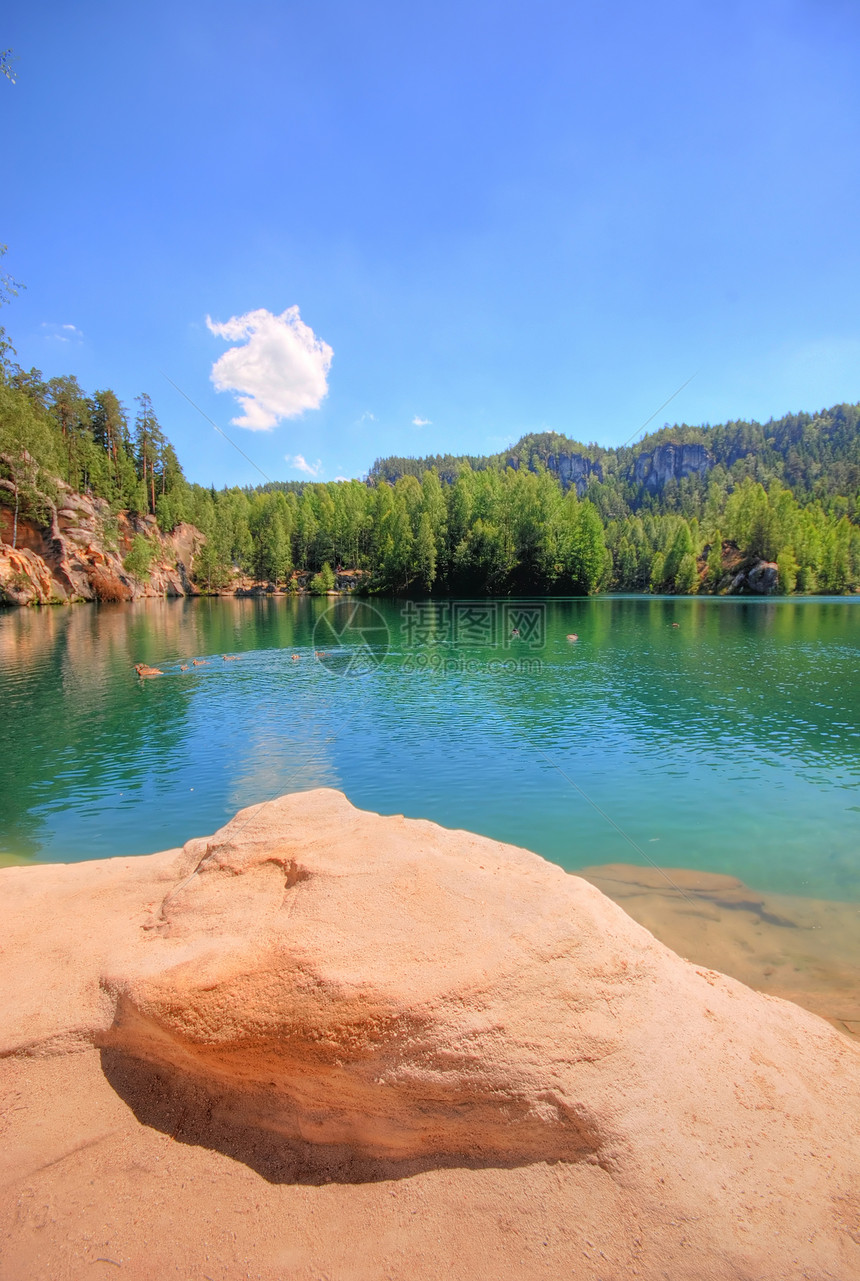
[814, 454]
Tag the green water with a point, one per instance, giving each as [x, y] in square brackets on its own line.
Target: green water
[730, 742]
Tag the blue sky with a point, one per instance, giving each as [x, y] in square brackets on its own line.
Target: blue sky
[492, 218]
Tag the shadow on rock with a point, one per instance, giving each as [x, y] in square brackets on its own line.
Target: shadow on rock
[190, 1114]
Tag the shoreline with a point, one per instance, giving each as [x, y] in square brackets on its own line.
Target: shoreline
[260, 592]
[799, 948]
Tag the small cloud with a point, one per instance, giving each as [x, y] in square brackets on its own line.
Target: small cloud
[61, 333]
[279, 371]
[367, 417]
[341, 478]
[421, 422]
[301, 464]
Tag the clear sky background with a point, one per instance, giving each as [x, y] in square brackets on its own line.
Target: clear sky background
[493, 217]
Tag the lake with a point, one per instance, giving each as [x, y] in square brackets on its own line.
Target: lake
[713, 735]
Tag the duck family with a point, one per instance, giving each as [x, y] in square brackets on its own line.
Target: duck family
[143, 669]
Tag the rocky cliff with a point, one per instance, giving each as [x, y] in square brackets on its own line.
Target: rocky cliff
[571, 469]
[327, 1043]
[574, 469]
[670, 462]
[79, 550]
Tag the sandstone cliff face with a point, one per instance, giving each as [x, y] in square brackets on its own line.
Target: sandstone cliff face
[671, 462]
[574, 469]
[571, 469]
[322, 994]
[79, 553]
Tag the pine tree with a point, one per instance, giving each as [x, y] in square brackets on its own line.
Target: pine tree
[715, 560]
[587, 550]
[324, 581]
[68, 406]
[787, 570]
[657, 572]
[425, 553]
[149, 445]
[687, 577]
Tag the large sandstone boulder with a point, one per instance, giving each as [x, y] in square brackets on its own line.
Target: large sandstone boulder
[401, 989]
[425, 999]
[344, 978]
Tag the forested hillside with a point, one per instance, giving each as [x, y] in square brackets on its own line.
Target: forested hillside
[816, 455]
[678, 512]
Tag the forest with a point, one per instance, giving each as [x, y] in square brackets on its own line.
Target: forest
[785, 491]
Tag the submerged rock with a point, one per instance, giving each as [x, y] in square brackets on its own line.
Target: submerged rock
[802, 949]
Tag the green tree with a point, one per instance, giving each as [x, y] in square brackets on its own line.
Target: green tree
[140, 557]
[397, 565]
[68, 407]
[586, 553]
[687, 577]
[425, 553]
[324, 581]
[307, 531]
[9, 287]
[271, 557]
[681, 546]
[715, 559]
[787, 570]
[625, 565]
[149, 442]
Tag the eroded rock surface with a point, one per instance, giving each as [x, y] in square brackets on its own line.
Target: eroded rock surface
[400, 989]
[78, 554]
[424, 1000]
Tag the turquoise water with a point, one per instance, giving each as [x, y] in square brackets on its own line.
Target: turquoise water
[729, 743]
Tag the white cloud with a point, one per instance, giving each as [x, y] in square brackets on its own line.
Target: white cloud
[62, 333]
[279, 371]
[301, 464]
[421, 422]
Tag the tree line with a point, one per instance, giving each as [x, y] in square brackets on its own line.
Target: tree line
[456, 528]
[815, 455]
[90, 442]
